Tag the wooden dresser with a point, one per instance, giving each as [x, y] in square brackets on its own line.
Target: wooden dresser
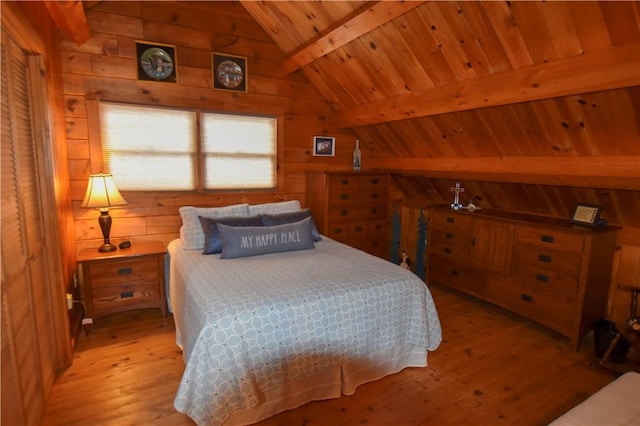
[352, 208]
[545, 269]
[124, 279]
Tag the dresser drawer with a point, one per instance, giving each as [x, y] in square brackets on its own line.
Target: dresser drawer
[378, 229]
[550, 239]
[444, 271]
[450, 251]
[533, 302]
[450, 237]
[342, 183]
[451, 222]
[343, 196]
[357, 211]
[544, 258]
[123, 271]
[114, 299]
[554, 282]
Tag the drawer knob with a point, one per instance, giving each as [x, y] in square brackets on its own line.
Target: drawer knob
[455, 272]
[378, 227]
[547, 238]
[345, 181]
[374, 195]
[544, 258]
[358, 228]
[542, 277]
[344, 196]
[126, 295]
[344, 213]
[526, 298]
[374, 211]
[450, 219]
[447, 250]
[337, 231]
[375, 181]
[125, 271]
[448, 236]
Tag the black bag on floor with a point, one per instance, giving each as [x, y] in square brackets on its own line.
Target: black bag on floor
[603, 334]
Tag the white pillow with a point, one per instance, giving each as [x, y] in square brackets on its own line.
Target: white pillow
[191, 232]
[274, 208]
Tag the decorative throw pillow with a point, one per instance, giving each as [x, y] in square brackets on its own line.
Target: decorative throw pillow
[282, 218]
[212, 241]
[191, 231]
[256, 240]
[274, 208]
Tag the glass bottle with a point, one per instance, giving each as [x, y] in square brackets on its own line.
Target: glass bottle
[356, 157]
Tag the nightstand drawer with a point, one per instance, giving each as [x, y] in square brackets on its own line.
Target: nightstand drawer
[113, 299]
[123, 271]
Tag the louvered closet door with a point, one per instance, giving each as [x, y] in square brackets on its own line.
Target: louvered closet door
[28, 346]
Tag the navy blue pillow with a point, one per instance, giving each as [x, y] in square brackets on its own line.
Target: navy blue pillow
[291, 217]
[212, 240]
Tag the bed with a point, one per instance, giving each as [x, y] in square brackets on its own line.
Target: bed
[270, 332]
[618, 403]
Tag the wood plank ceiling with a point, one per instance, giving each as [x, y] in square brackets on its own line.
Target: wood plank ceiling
[527, 92]
[534, 105]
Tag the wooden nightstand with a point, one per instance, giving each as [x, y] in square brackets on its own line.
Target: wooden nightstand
[123, 280]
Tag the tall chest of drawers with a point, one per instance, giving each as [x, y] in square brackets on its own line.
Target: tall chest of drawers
[545, 269]
[352, 208]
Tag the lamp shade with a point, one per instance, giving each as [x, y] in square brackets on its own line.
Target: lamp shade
[102, 193]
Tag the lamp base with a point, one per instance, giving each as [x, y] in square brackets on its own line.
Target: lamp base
[107, 248]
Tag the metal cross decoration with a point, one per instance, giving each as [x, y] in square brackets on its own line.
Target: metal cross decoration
[456, 205]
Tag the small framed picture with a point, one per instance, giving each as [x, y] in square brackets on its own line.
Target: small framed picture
[584, 214]
[324, 146]
[156, 62]
[229, 72]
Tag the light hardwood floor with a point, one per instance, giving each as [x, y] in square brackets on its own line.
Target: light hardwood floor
[492, 368]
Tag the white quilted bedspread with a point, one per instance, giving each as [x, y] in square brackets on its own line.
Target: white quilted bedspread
[260, 331]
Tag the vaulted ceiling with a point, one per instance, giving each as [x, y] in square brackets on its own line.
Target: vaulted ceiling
[527, 92]
[430, 87]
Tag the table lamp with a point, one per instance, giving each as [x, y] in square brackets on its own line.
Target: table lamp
[102, 194]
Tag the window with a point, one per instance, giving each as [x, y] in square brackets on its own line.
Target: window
[150, 148]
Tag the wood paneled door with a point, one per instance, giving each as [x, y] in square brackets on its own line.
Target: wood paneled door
[33, 324]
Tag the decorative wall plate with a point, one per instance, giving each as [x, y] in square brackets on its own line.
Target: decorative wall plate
[156, 62]
[229, 72]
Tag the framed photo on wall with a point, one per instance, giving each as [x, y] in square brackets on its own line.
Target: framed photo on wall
[156, 62]
[229, 72]
[324, 146]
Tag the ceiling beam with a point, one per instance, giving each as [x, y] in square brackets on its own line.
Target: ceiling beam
[612, 68]
[353, 26]
[69, 16]
[614, 172]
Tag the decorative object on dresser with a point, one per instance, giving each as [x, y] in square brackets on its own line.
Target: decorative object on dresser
[584, 214]
[352, 208]
[103, 194]
[456, 205]
[357, 157]
[545, 269]
[123, 280]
